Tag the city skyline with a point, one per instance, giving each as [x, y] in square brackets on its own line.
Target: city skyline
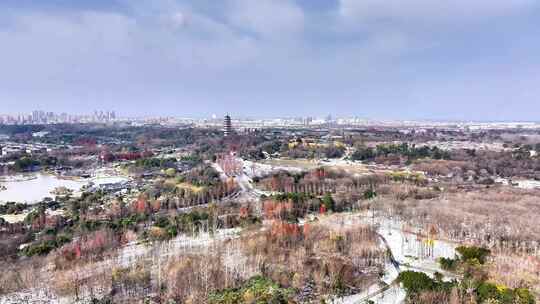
[38, 117]
[446, 61]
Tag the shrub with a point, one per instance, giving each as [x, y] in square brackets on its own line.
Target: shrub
[524, 296]
[488, 291]
[44, 247]
[162, 222]
[415, 282]
[328, 202]
[448, 264]
[370, 194]
[257, 290]
[41, 248]
[473, 253]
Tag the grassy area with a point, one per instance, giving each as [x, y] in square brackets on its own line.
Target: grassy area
[190, 187]
[184, 185]
[353, 168]
[14, 218]
[306, 164]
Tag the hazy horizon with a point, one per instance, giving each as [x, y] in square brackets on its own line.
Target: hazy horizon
[237, 116]
[449, 60]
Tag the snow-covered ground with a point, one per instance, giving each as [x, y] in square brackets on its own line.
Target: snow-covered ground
[16, 218]
[528, 184]
[259, 169]
[220, 170]
[385, 291]
[394, 295]
[181, 244]
[33, 296]
[409, 251]
[128, 255]
[247, 192]
[107, 180]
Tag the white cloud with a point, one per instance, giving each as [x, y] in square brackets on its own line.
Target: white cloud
[249, 52]
[100, 48]
[430, 11]
[179, 20]
[399, 27]
[268, 18]
[47, 44]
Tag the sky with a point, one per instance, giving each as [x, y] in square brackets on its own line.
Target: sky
[374, 59]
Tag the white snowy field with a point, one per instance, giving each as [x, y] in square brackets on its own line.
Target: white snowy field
[409, 251]
[128, 255]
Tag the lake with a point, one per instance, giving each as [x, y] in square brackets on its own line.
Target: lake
[34, 188]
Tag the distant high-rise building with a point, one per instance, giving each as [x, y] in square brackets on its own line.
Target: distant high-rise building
[35, 116]
[329, 118]
[64, 118]
[227, 126]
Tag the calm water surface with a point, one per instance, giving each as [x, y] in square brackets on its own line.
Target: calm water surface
[34, 188]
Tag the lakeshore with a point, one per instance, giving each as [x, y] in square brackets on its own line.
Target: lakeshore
[32, 188]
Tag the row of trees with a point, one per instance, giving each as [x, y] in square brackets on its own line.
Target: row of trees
[404, 150]
[320, 181]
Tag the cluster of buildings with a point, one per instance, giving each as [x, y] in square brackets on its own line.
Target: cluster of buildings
[316, 122]
[257, 123]
[104, 116]
[43, 117]
[246, 123]
[353, 122]
[10, 148]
